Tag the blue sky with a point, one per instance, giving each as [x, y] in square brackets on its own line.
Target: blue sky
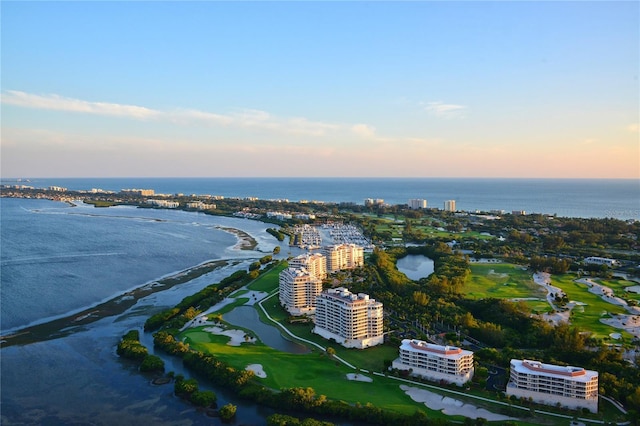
[407, 89]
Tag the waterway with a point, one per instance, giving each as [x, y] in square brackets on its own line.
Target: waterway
[247, 317]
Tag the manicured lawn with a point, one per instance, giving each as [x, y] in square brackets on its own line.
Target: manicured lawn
[316, 370]
[587, 317]
[618, 286]
[268, 281]
[501, 281]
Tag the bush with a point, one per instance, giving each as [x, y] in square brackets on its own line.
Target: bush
[152, 363]
[227, 411]
[185, 387]
[203, 398]
[130, 347]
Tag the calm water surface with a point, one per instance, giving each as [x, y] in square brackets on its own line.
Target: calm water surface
[415, 266]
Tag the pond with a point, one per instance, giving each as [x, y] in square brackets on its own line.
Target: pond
[415, 266]
[247, 317]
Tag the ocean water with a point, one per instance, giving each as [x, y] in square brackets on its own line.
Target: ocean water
[57, 259]
[585, 198]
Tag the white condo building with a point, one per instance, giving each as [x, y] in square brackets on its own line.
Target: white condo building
[354, 321]
[417, 203]
[572, 387]
[299, 289]
[435, 362]
[343, 256]
[450, 206]
[315, 263]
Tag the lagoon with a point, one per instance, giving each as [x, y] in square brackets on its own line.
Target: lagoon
[415, 266]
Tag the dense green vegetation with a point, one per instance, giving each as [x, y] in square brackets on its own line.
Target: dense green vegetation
[130, 347]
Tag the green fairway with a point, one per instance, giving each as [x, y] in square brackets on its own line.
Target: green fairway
[591, 307]
[268, 281]
[501, 281]
[316, 369]
[619, 287]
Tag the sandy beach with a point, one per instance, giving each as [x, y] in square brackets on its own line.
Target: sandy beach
[245, 241]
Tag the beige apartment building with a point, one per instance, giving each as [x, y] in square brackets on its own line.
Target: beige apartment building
[572, 387]
[354, 321]
[343, 256]
[299, 289]
[315, 263]
[435, 362]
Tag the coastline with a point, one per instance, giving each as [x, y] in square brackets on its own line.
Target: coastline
[68, 324]
[245, 241]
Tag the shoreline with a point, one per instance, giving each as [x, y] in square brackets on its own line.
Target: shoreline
[68, 324]
[245, 240]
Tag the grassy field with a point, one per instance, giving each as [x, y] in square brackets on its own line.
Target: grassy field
[507, 281]
[618, 286]
[501, 281]
[592, 307]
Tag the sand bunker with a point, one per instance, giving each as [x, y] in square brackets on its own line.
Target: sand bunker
[359, 377]
[497, 274]
[450, 406]
[629, 323]
[237, 336]
[556, 317]
[257, 370]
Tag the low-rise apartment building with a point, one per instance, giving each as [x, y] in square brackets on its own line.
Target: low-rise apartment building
[352, 320]
[572, 387]
[439, 363]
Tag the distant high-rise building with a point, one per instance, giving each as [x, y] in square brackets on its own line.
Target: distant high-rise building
[417, 203]
[354, 321]
[572, 387]
[372, 202]
[450, 206]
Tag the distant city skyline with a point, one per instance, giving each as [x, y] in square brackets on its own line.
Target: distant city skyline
[321, 89]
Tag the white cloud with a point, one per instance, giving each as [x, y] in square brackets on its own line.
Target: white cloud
[442, 110]
[633, 128]
[59, 103]
[244, 118]
[364, 130]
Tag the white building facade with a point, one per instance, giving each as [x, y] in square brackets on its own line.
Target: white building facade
[594, 260]
[417, 203]
[315, 263]
[343, 256]
[572, 387]
[450, 206]
[435, 362]
[354, 321]
[299, 290]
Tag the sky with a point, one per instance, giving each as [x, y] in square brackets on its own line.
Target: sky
[512, 89]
